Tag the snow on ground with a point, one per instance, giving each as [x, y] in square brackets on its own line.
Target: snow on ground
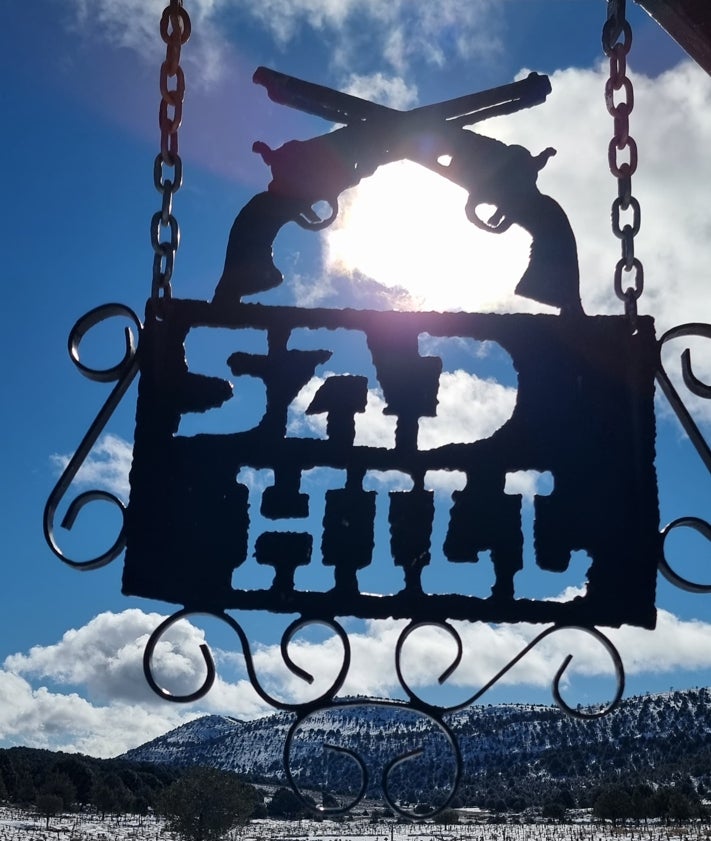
[19, 825]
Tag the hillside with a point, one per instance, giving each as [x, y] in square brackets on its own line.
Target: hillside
[513, 755]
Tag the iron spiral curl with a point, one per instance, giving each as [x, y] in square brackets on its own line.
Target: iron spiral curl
[122, 373]
[437, 710]
[701, 389]
[324, 698]
[434, 728]
[691, 381]
[704, 529]
[308, 714]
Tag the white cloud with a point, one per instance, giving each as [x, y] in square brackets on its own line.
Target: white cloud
[673, 241]
[106, 467]
[373, 428]
[87, 691]
[529, 483]
[104, 656]
[675, 645]
[391, 91]
[301, 425]
[398, 29]
[469, 409]
[66, 721]
[133, 25]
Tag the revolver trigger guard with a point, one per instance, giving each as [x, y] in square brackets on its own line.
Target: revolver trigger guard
[497, 223]
[309, 220]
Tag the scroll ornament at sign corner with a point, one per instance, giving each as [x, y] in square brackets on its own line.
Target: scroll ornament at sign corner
[584, 413]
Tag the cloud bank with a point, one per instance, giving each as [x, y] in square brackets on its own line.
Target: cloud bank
[87, 693]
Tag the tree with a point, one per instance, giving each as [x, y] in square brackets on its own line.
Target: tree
[680, 806]
[111, 795]
[104, 798]
[447, 816]
[613, 803]
[205, 804]
[285, 804]
[8, 775]
[553, 810]
[81, 776]
[59, 785]
[25, 791]
[49, 804]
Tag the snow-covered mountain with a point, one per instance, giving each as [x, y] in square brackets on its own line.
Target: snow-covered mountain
[512, 750]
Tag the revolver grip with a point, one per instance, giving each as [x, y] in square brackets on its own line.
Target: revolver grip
[249, 265]
[552, 276]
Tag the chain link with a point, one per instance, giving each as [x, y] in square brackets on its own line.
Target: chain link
[174, 30]
[616, 43]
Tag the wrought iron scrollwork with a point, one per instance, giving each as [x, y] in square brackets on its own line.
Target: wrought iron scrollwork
[697, 525]
[556, 691]
[692, 382]
[122, 373]
[703, 390]
[585, 387]
[436, 725]
[433, 729]
[324, 698]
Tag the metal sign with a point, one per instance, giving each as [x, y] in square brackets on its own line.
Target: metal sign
[584, 410]
[583, 416]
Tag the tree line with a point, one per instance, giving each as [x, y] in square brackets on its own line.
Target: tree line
[190, 799]
[74, 782]
[642, 802]
[197, 802]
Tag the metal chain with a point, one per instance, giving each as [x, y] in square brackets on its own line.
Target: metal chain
[174, 30]
[617, 50]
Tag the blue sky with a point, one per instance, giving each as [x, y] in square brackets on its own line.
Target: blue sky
[80, 104]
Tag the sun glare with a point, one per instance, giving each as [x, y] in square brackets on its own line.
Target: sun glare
[405, 227]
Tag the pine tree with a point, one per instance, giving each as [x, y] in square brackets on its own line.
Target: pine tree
[205, 804]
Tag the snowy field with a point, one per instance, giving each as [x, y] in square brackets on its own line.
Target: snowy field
[17, 825]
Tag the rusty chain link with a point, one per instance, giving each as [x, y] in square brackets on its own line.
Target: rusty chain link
[617, 27]
[174, 30]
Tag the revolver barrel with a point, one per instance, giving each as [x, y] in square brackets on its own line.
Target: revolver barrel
[339, 107]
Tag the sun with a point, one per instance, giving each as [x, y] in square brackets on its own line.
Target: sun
[405, 227]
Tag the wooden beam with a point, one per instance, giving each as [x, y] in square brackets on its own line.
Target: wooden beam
[689, 24]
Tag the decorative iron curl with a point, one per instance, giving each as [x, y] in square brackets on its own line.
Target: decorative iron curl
[122, 374]
[354, 799]
[692, 382]
[211, 674]
[703, 528]
[458, 767]
[326, 701]
[330, 811]
[437, 710]
[288, 635]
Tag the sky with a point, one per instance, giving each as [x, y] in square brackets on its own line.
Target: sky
[80, 104]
